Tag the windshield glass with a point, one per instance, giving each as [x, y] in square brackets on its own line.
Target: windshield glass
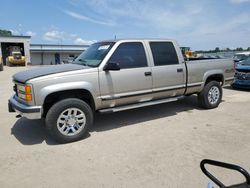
[94, 55]
[240, 57]
[16, 53]
[246, 61]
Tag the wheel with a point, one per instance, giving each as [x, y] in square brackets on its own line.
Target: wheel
[211, 95]
[1, 67]
[69, 120]
[233, 86]
[8, 63]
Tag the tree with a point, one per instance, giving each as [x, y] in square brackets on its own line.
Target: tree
[239, 49]
[217, 49]
[248, 49]
[5, 33]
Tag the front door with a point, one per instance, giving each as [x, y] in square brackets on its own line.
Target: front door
[133, 82]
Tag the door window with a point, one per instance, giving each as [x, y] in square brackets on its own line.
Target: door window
[129, 55]
[164, 53]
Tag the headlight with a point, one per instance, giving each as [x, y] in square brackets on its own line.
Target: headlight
[25, 92]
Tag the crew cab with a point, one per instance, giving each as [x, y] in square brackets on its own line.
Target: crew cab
[112, 76]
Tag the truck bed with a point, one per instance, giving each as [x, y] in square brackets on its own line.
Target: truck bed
[199, 69]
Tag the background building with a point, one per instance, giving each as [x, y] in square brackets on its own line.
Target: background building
[22, 43]
[38, 54]
[48, 54]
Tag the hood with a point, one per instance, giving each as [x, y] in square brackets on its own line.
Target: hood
[43, 71]
[244, 68]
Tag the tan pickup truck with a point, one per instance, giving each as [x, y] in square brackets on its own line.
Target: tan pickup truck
[112, 76]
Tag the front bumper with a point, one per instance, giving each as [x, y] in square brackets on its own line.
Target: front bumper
[17, 62]
[244, 84]
[30, 112]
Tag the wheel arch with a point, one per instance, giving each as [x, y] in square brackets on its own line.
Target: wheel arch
[214, 76]
[56, 96]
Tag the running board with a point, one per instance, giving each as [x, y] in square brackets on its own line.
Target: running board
[139, 105]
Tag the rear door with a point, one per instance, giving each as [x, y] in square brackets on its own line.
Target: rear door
[133, 82]
[168, 74]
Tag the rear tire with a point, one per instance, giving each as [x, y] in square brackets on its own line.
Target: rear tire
[69, 120]
[211, 95]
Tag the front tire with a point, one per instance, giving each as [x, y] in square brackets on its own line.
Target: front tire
[211, 95]
[69, 120]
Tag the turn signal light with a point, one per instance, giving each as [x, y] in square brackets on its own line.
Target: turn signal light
[27, 89]
[28, 97]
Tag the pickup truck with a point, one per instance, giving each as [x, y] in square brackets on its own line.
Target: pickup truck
[112, 76]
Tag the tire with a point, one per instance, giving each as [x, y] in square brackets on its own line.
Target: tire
[67, 116]
[233, 86]
[210, 96]
[8, 63]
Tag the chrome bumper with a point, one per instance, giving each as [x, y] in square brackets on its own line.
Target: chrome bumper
[30, 112]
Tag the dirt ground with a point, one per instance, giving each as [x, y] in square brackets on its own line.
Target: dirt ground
[157, 146]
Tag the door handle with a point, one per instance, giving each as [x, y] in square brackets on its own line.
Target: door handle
[180, 70]
[148, 73]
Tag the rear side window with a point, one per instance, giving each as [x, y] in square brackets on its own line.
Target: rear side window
[130, 55]
[164, 53]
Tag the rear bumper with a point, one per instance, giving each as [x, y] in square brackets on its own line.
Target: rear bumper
[30, 112]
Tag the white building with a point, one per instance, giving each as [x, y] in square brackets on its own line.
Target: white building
[21, 41]
[47, 54]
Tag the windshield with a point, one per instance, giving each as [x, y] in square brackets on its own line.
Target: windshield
[16, 53]
[94, 55]
[240, 57]
[246, 61]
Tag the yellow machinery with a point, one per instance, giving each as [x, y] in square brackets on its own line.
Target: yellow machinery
[188, 53]
[15, 57]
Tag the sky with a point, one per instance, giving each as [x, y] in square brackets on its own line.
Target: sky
[200, 24]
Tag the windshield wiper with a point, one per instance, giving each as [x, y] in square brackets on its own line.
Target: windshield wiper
[83, 62]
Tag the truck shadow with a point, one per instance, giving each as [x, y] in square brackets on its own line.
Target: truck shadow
[236, 89]
[105, 122]
[31, 132]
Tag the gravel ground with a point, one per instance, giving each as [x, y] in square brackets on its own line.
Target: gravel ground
[157, 146]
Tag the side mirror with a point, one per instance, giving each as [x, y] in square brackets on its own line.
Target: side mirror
[111, 66]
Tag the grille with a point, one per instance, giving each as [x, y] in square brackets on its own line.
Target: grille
[15, 89]
[17, 56]
[242, 76]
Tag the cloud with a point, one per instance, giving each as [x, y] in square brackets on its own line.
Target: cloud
[15, 32]
[85, 18]
[80, 41]
[239, 1]
[55, 36]
[19, 32]
[31, 33]
[159, 14]
[200, 24]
